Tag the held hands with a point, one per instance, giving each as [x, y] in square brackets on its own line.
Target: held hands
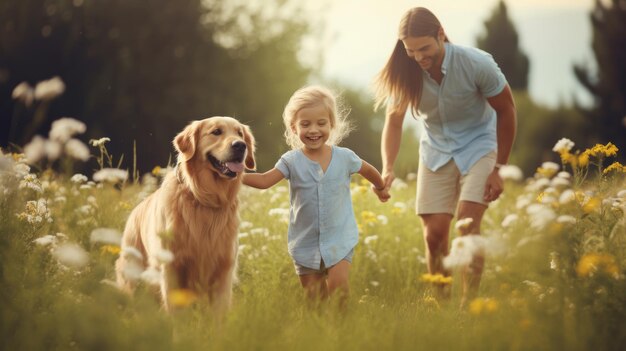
[494, 186]
[383, 194]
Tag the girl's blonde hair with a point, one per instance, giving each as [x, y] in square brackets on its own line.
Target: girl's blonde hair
[401, 78]
[311, 96]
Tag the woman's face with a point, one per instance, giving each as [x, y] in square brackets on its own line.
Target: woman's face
[427, 51]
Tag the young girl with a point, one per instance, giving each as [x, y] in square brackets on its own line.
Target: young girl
[322, 228]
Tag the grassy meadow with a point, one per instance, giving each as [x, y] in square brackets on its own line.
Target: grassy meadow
[554, 277]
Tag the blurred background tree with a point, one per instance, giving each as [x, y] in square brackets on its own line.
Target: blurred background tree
[141, 70]
[607, 86]
[500, 39]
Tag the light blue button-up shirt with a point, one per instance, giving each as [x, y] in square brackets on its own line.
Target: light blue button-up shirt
[458, 121]
[321, 218]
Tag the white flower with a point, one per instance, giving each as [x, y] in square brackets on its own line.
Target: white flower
[540, 215]
[64, 128]
[559, 182]
[71, 255]
[509, 220]
[6, 163]
[566, 219]
[399, 184]
[24, 92]
[370, 239]
[130, 252]
[46, 240]
[53, 149]
[463, 250]
[511, 172]
[151, 276]
[564, 175]
[567, 196]
[245, 225]
[463, 223]
[49, 89]
[622, 194]
[164, 256]
[382, 219]
[79, 178]
[563, 145]
[77, 149]
[548, 165]
[538, 184]
[99, 142]
[132, 270]
[35, 150]
[21, 169]
[106, 236]
[400, 206]
[374, 283]
[112, 175]
[411, 177]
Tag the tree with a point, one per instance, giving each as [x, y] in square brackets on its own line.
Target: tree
[500, 39]
[608, 85]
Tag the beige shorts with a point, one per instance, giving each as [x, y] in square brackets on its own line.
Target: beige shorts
[440, 191]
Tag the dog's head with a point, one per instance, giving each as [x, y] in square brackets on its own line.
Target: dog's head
[221, 143]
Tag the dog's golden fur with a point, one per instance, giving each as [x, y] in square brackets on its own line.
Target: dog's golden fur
[194, 213]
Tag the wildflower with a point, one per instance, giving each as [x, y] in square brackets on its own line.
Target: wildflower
[49, 89]
[398, 207]
[368, 217]
[592, 204]
[370, 239]
[71, 255]
[603, 150]
[559, 182]
[463, 250]
[181, 297]
[374, 283]
[99, 142]
[132, 270]
[77, 150]
[35, 150]
[64, 128]
[482, 305]
[79, 178]
[511, 172]
[567, 196]
[592, 263]
[615, 166]
[509, 220]
[411, 177]
[36, 212]
[46, 240]
[164, 256]
[583, 159]
[563, 144]
[25, 93]
[382, 219]
[131, 253]
[110, 249]
[152, 276]
[566, 219]
[554, 260]
[111, 175]
[463, 223]
[436, 279]
[548, 169]
[106, 236]
[540, 215]
[30, 181]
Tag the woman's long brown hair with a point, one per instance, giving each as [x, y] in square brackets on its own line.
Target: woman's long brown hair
[401, 78]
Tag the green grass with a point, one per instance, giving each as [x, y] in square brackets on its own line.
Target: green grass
[47, 306]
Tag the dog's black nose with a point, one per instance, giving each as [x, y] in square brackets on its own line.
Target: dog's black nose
[239, 146]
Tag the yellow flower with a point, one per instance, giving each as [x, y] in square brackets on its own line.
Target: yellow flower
[540, 196]
[181, 297]
[430, 301]
[484, 305]
[592, 263]
[592, 204]
[436, 279]
[567, 157]
[368, 217]
[110, 249]
[125, 205]
[615, 166]
[156, 170]
[546, 172]
[583, 159]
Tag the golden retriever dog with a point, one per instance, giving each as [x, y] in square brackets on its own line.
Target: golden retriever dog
[193, 215]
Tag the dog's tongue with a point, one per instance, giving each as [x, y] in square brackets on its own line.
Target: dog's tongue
[235, 166]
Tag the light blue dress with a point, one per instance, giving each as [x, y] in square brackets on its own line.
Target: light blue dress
[458, 121]
[321, 218]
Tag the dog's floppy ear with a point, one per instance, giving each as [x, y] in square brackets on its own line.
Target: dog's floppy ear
[249, 139]
[185, 141]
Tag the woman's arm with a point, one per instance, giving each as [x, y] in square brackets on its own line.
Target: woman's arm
[263, 180]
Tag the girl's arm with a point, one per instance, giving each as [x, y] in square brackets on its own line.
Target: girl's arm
[373, 176]
[263, 180]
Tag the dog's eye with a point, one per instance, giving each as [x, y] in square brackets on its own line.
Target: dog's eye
[240, 133]
[216, 131]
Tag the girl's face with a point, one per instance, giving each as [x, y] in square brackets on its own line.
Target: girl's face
[312, 125]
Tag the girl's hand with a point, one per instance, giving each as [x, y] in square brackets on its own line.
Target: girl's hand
[383, 194]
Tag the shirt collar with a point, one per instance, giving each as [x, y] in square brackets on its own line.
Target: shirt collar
[446, 57]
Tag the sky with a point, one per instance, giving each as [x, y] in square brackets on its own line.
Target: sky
[555, 34]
